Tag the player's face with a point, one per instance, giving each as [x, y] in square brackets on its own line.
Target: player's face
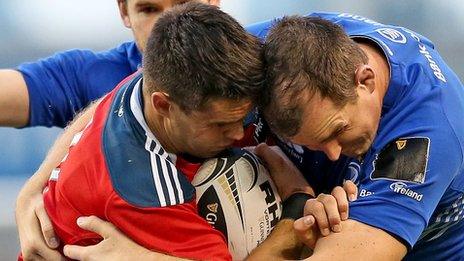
[349, 130]
[141, 15]
[207, 132]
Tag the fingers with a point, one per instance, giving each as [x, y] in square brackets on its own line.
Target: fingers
[95, 224]
[351, 190]
[46, 226]
[250, 148]
[41, 252]
[305, 230]
[266, 154]
[75, 252]
[332, 212]
[328, 211]
[342, 202]
[31, 245]
[50, 254]
[30, 215]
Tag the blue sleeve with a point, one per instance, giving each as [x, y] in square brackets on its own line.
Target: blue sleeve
[63, 84]
[399, 193]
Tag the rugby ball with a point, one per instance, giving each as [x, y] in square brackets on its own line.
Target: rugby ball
[236, 195]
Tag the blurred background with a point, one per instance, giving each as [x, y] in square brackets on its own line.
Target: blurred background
[30, 30]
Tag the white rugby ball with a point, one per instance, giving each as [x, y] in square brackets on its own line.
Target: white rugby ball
[236, 195]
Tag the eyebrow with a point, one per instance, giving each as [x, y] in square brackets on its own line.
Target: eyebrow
[146, 3]
[226, 122]
[334, 133]
[141, 5]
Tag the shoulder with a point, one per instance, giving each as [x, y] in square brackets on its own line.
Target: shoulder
[144, 177]
[142, 173]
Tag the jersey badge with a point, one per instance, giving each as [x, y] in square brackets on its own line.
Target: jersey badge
[404, 159]
[400, 144]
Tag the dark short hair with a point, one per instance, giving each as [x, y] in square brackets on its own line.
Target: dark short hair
[305, 56]
[196, 53]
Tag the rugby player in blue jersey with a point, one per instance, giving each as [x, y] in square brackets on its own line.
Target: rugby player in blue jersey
[347, 85]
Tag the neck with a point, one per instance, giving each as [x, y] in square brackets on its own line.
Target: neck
[379, 63]
[156, 123]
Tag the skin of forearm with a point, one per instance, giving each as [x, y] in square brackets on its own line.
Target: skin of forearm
[361, 241]
[155, 256]
[281, 244]
[14, 99]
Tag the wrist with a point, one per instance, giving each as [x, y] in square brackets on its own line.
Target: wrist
[293, 206]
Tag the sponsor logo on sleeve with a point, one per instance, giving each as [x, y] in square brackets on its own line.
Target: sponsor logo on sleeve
[365, 193]
[423, 50]
[432, 64]
[402, 189]
[392, 35]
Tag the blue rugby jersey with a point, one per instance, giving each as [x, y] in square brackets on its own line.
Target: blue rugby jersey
[63, 84]
[411, 182]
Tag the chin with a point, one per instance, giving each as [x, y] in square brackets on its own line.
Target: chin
[209, 154]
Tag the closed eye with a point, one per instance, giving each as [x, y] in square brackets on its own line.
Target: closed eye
[336, 133]
[149, 9]
[223, 124]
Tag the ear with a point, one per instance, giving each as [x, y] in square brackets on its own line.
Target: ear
[123, 13]
[215, 2]
[365, 76]
[161, 103]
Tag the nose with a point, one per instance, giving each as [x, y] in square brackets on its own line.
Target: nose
[235, 132]
[332, 149]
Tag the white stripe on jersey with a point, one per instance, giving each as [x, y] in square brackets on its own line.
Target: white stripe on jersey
[168, 171]
[155, 171]
[55, 174]
[180, 192]
[76, 138]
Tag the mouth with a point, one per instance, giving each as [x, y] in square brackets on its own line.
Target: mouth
[219, 149]
[227, 145]
[357, 150]
[360, 158]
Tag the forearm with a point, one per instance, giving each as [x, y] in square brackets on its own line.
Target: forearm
[282, 243]
[34, 226]
[358, 240]
[14, 99]
[155, 256]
